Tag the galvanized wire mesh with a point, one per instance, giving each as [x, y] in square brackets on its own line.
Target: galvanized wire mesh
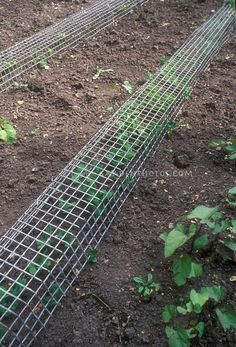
[35, 51]
[43, 253]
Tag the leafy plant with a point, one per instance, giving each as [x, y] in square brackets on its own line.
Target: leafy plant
[42, 64]
[229, 147]
[231, 197]
[93, 255]
[164, 60]
[7, 132]
[146, 286]
[66, 205]
[9, 298]
[180, 336]
[231, 3]
[38, 264]
[44, 239]
[101, 72]
[55, 294]
[127, 86]
[226, 317]
[20, 85]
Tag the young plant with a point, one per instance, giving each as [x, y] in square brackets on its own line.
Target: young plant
[164, 60]
[93, 253]
[231, 3]
[146, 286]
[42, 64]
[101, 72]
[66, 205]
[55, 293]
[44, 240]
[20, 85]
[38, 264]
[7, 132]
[9, 298]
[231, 197]
[127, 86]
[229, 147]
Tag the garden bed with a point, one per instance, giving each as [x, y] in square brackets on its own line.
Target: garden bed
[62, 108]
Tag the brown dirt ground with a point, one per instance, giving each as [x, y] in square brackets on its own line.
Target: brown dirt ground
[61, 110]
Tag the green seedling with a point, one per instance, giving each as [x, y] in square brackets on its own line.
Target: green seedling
[42, 64]
[20, 85]
[110, 108]
[101, 72]
[226, 317]
[146, 286]
[9, 298]
[187, 93]
[99, 200]
[56, 292]
[66, 238]
[92, 258]
[62, 36]
[66, 205]
[44, 239]
[7, 132]
[150, 76]
[129, 181]
[127, 86]
[229, 147]
[231, 197]
[231, 3]
[34, 131]
[10, 64]
[217, 232]
[164, 60]
[40, 263]
[180, 336]
[120, 156]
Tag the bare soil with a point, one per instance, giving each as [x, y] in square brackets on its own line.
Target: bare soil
[63, 107]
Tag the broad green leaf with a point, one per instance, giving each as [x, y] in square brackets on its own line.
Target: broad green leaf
[175, 239]
[201, 242]
[181, 269]
[232, 191]
[227, 317]
[216, 293]
[233, 222]
[232, 156]
[163, 236]
[177, 338]
[216, 143]
[198, 298]
[230, 148]
[196, 270]
[169, 313]
[230, 244]
[127, 86]
[137, 280]
[182, 310]
[220, 227]
[200, 328]
[202, 212]
[184, 268]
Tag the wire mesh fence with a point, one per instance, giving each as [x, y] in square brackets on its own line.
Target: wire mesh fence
[43, 253]
[35, 51]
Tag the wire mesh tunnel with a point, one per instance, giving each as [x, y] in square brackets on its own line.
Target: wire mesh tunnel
[45, 250]
[35, 50]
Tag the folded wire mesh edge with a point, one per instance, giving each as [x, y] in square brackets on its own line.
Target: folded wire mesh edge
[45, 250]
